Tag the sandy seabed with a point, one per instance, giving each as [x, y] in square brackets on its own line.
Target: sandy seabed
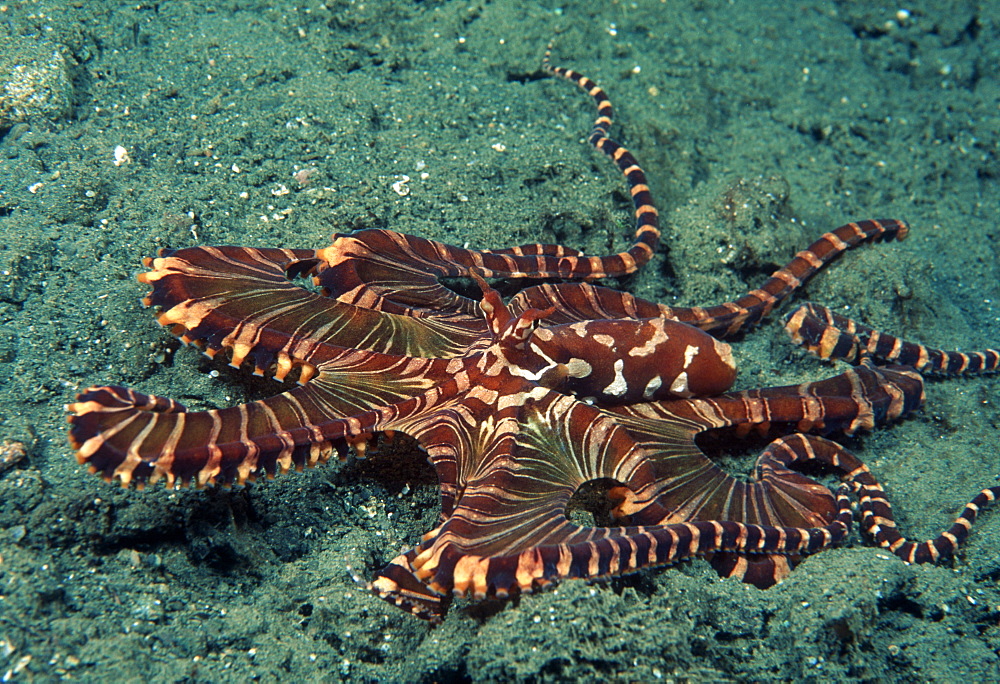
[760, 124]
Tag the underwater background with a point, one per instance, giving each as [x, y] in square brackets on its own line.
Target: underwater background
[129, 127]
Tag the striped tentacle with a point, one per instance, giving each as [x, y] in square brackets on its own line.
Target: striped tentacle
[877, 521]
[729, 318]
[578, 302]
[877, 518]
[786, 490]
[647, 227]
[832, 336]
[858, 399]
[583, 301]
[120, 433]
[241, 300]
[591, 553]
[689, 486]
[388, 271]
[397, 583]
[383, 270]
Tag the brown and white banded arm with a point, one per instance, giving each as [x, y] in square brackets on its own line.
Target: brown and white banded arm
[831, 336]
[242, 300]
[388, 271]
[583, 301]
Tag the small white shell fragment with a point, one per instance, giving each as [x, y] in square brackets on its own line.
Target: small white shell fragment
[121, 156]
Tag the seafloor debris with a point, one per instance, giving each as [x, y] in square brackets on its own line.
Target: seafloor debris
[11, 453]
[34, 81]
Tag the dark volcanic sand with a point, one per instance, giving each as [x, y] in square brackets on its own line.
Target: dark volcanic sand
[798, 116]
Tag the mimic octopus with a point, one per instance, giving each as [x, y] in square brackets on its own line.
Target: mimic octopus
[520, 404]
